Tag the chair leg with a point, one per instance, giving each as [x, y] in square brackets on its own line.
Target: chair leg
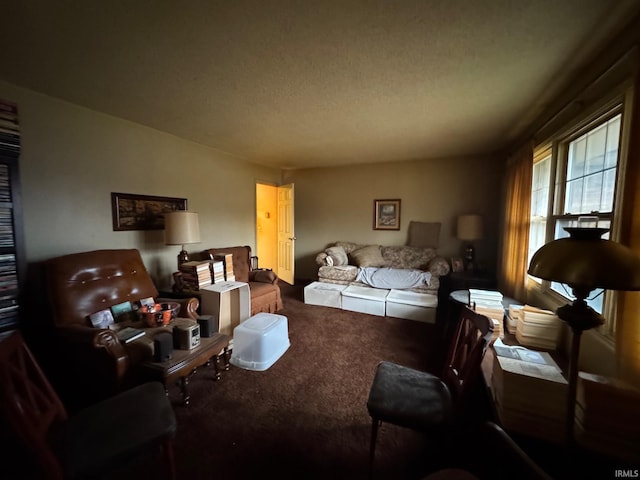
[372, 448]
[167, 446]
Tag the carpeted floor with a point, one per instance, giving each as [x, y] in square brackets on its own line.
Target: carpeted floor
[306, 416]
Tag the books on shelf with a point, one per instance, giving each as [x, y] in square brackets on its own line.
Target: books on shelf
[129, 334]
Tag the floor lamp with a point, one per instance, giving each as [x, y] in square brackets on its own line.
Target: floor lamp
[584, 261]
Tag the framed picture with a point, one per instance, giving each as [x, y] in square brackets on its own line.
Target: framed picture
[142, 212]
[386, 214]
[457, 265]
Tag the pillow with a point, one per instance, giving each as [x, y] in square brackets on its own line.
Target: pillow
[424, 234]
[338, 255]
[369, 256]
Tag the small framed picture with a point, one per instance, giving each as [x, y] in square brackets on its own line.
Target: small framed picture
[122, 311]
[457, 265]
[102, 319]
[386, 214]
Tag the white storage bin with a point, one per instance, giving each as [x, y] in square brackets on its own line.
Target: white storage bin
[412, 305]
[364, 300]
[260, 341]
[324, 294]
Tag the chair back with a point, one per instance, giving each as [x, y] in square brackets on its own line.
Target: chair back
[472, 337]
[28, 401]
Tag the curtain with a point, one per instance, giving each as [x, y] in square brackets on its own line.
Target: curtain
[513, 258]
[628, 317]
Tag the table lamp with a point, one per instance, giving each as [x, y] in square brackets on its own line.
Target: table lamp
[584, 261]
[469, 229]
[180, 228]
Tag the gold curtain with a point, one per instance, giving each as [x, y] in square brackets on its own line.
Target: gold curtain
[628, 317]
[517, 202]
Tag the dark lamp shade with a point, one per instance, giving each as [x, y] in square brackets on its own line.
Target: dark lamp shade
[586, 261]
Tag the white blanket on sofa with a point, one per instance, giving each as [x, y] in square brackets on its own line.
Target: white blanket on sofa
[393, 277]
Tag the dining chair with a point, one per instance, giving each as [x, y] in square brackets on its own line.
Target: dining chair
[96, 439]
[425, 402]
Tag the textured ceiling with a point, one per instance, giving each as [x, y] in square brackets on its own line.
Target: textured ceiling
[297, 84]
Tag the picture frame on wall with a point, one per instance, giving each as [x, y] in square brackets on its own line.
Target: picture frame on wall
[457, 265]
[142, 212]
[386, 214]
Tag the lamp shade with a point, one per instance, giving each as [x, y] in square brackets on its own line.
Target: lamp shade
[470, 227]
[181, 227]
[586, 261]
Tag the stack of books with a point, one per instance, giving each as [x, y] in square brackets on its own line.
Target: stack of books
[227, 262]
[9, 127]
[195, 275]
[538, 328]
[607, 416]
[217, 271]
[529, 392]
[513, 314]
[489, 303]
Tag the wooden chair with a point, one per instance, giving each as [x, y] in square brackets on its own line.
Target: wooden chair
[96, 439]
[425, 402]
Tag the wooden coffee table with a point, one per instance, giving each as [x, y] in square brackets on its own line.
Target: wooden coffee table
[184, 363]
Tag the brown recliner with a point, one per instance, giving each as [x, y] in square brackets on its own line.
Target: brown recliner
[263, 284]
[81, 284]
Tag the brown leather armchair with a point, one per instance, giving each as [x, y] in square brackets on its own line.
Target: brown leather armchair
[80, 284]
[263, 284]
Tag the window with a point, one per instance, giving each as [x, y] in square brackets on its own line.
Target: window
[575, 176]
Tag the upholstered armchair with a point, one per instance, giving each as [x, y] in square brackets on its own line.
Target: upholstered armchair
[81, 284]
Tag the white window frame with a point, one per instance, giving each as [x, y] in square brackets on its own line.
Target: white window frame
[558, 145]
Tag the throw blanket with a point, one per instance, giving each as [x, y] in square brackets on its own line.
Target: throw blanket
[393, 277]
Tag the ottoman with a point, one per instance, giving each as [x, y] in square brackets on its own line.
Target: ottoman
[364, 299]
[324, 294]
[412, 305]
[260, 341]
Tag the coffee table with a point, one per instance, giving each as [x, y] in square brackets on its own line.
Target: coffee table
[184, 363]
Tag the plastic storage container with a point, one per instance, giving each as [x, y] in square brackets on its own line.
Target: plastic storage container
[260, 341]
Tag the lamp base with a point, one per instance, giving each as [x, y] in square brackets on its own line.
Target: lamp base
[183, 257]
[469, 256]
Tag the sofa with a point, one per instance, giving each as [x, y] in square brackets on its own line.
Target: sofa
[343, 263]
[81, 284]
[263, 283]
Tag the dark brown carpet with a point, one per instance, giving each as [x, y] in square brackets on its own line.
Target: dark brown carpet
[306, 416]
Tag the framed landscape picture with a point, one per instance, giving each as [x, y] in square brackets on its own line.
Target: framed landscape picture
[386, 214]
[142, 212]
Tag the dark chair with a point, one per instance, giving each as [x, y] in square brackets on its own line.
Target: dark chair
[425, 402]
[96, 439]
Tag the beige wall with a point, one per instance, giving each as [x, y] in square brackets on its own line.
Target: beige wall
[334, 204]
[73, 158]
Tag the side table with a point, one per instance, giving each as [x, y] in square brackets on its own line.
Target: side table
[184, 363]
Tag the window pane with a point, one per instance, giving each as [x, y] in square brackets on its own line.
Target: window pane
[596, 143]
[573, 203]
[577, 153]
[592, 193]
[613, 139]
[608, 190]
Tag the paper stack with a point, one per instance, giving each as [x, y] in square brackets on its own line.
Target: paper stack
[538, 328]
[489, 303]
[607, 416]
[529, 392]
[512, 316]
